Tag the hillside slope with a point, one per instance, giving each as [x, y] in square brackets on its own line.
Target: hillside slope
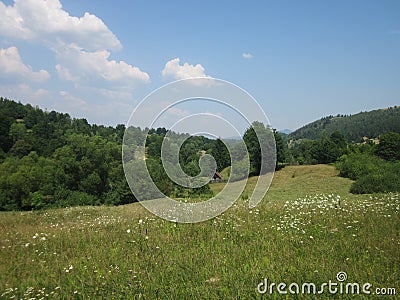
[354, 127]
[307, 229]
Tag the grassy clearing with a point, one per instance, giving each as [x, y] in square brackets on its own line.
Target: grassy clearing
[307, 229]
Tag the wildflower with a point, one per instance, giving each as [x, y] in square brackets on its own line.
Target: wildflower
[212, 280]
[69, 269]
[128, 231]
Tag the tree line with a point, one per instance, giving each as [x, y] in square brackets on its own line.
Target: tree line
[374, 165]
[48, 159]
[355, 127]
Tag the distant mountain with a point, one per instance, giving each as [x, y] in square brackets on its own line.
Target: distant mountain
[354, 127]
[285, 131]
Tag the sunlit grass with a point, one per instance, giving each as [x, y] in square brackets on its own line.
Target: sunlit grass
[308, 228]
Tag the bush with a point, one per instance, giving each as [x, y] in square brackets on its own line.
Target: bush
[64, 198]
[377, 183]
[389, 146]
[371, 174]
[356, 165]
[36, 200]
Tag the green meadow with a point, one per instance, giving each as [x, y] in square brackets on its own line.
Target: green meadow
[308, 228]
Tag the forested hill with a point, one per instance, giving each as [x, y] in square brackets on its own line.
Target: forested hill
[354, 127]
[48, 159]
[24, 128]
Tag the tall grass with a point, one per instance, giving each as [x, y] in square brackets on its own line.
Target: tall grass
[307, 229]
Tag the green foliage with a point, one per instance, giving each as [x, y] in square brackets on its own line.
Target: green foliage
[36, 200]
[21, 148]
[324, 150]
[354, 127]
[371, 173]
[254, 137]
[389, 146]
[254, 149]
[159, 176]
[18, 131]
[357, 165]
[384, 180]
[50, 160]
[220, 154]
[281, 148]
[67, 198]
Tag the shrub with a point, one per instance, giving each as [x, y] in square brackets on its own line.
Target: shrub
[389, 146]
[371, 174]
[64, 198]
[36, 200]
[356, 165]
[383, 182]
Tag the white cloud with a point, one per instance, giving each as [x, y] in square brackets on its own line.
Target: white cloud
[73, 101]
[172, 111]
[65, 74]
[12, 66]
[175, 111]
[23, 91]
[247, 55]
[46, 22]
[115, 95]
[106, 114]
[173, 70]
[82, 48]
[93, 68]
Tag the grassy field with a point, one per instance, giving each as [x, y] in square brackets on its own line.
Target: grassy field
[307, 229]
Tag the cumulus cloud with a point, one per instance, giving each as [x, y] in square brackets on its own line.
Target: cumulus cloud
[109, 113]
[93, 68]
[247, 55]
[12, 66]
[82, 47]
[46, 22]
[174, 70]
[72, 101]
[24, 91]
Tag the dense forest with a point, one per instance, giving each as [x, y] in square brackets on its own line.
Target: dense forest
[354, 127]
[48, 159]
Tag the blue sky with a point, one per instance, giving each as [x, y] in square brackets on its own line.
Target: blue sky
[301, 60]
